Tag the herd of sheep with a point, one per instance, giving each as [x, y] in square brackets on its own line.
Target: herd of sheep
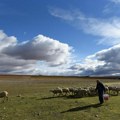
[73, 91]
[83, 92]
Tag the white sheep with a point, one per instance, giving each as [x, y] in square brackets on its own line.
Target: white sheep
[92, 91]
[4, 95]
[82, 92]
[65, 91]
[114, 89]
[72, 89]
[57, 91]
[117, 90]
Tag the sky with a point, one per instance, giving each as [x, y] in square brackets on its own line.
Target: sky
[60, 37]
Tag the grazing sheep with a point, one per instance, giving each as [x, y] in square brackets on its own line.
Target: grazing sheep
[65, 91]
[92, 91]
[114, 89]
[111, 88]
[73, 90]
[82, 92]
[57, 91]
[117, 90]
[4, 94]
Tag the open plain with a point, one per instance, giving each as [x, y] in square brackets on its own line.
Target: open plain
[30, 99]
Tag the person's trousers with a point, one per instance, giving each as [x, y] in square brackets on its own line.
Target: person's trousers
[101, 99]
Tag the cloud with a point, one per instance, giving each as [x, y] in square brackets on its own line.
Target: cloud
[60, 13]
[69, 15]
[40, 48]
[112, 7]
[6, 40]
[10, 64]
[108, 30]
[105, 62]
[115, 1]
[23, 57]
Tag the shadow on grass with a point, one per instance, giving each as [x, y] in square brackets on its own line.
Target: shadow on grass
[82, 108]
[45, 98]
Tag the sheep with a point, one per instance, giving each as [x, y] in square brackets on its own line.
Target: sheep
[81, 92]
[111, 88]
[65, 91]
[106, 88]
[4, 95]
[117, 90]
[114, 89]
[73, 90]
[57, 91]
[92, 91]
[84, 92]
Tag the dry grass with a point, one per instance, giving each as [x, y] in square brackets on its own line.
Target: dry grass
[30, 99]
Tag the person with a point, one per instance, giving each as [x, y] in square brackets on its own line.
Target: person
[101, 89]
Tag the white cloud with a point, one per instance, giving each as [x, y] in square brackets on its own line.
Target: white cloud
[23, 57]
[60, 13]
[108, 30]
[105, 62]
[6, 40]
[10, 64]
[41, 48]
[112, 8]
[111, 55]
[107, 9]
[115, 1]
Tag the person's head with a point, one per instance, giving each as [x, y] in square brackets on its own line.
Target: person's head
[98, 81]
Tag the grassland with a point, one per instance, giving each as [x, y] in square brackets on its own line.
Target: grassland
[30, 99]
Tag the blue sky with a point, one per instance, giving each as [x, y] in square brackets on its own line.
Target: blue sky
[60, 37]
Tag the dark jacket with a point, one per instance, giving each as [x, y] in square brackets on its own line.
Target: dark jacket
[100, 88]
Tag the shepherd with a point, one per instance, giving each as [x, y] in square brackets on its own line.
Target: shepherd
[101, 90]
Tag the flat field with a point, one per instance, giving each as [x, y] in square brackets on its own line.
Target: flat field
[30, 99]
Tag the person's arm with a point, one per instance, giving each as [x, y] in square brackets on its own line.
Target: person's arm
[103, 88]
[96, 87]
